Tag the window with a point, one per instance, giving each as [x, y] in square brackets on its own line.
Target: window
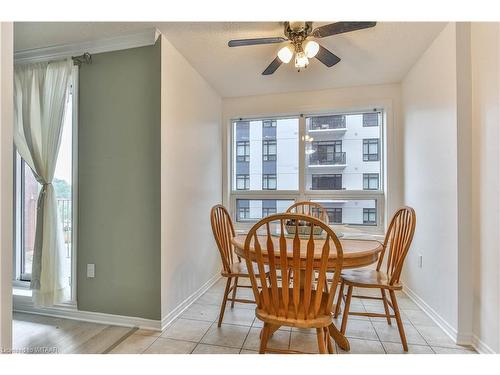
[370, 150]
[242, 182]
[370, 181]
[27, 188]
[327, 122]
[269, 150]
[334, 215]
[274, 150]
[327, 152]
[369, 216]
[310, 157]
[256, 209]
[370, 119]
[269, 182]
[269, 123]
[243, 151]
[326, 181]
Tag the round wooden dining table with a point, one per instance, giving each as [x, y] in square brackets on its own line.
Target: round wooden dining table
[357, 253]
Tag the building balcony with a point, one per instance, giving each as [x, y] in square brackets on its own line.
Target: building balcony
[336, 160]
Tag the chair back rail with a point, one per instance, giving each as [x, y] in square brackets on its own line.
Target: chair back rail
[397, 242]
[308, 293]
[309, 208]
[223, 230]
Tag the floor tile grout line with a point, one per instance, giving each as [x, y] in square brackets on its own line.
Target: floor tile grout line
[120, 340]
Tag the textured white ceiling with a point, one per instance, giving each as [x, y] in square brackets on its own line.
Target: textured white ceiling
[378, 55]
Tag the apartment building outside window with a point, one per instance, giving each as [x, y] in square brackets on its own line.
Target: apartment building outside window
[269, 182]
[334, 215]
[242, 182]
[370, 119]
[327, 181]
[309, 157]
[269, 150]
[369, 216]
[370, 181]
[371, 149]
[243, 151]
[327, 152]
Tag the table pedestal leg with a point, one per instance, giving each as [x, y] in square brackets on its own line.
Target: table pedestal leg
[339, 338]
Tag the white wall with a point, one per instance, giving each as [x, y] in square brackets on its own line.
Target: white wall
[486, 186]
[191, 179]
[6, 142]
[429, 93]
[352, 98]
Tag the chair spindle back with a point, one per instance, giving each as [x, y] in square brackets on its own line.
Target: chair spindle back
[309, 208]
[308, 293]
[398, 240]
[223, 230]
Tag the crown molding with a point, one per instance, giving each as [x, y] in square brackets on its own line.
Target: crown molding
[145, 38]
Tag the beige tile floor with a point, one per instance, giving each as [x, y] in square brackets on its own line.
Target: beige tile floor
[196, 331]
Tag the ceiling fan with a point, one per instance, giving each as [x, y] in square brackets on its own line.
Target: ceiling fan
[298, 33]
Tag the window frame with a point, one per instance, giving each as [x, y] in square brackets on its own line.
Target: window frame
[303, 193]
[246, 181]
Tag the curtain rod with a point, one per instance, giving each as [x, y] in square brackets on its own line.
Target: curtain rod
[86, 58]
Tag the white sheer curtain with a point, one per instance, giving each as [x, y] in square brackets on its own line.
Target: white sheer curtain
[40, 92]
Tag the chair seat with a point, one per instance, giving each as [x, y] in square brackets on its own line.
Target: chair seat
[239, 269]
[366, 278]
[323, 319]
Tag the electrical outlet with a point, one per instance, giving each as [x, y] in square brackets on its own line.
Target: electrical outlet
[420, 260]
[91, 271]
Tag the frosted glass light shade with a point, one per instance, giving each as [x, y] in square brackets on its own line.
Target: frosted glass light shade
[311, 49]
[285, 54]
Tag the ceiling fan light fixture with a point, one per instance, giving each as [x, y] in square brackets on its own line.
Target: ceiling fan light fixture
[301, 60]
[311, 48]
[285, 54]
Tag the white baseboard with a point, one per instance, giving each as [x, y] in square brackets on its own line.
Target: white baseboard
[480, 346]
[171, 316]
[25, 305]
[442, 323]
[459, 338]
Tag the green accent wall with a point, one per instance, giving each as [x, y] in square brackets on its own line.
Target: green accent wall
[119, 183]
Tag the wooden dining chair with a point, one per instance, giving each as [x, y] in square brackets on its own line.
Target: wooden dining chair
[396, 244]
[232, 266]
[309, 208]
[298, 302]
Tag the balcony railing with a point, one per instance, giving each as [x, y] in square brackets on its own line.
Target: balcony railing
[337, 158]
[64, 206]
[327, 122]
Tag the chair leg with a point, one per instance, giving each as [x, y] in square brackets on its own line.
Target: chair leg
[329, 345]
[386, 306]
[320, 334]
[234, 290]
[224, 301]
[398, 319]
[339, 300]
[264, 337]
[346, 309]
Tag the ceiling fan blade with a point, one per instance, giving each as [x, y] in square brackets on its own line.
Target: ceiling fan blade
[275, 64]
[340, 28]
[255, 41]
[326, 57]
